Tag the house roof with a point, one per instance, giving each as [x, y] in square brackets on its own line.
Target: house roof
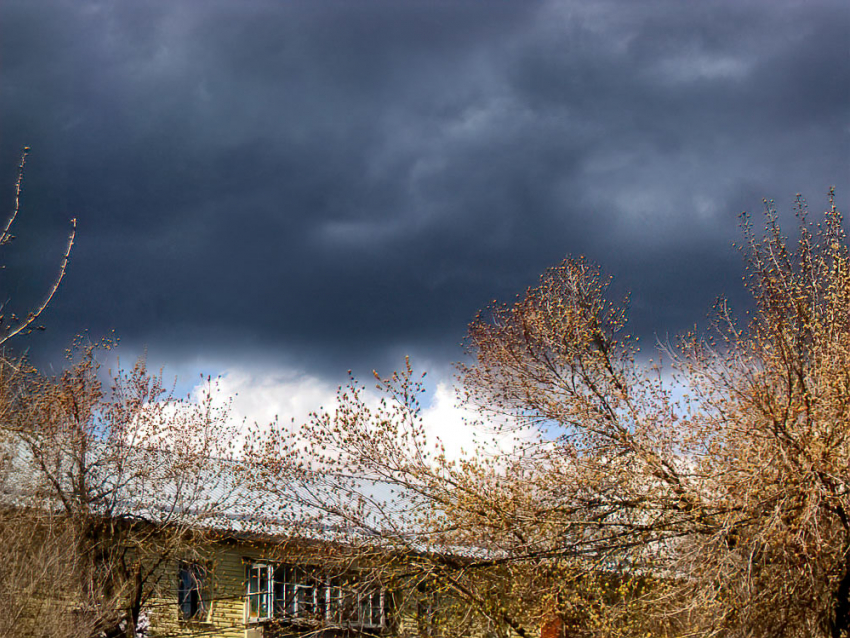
[226, 495]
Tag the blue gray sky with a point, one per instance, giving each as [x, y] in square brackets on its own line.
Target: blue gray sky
[288, 190]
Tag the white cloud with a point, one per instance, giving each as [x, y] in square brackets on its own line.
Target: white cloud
[288, 396]
[282, 395]
[459, 429]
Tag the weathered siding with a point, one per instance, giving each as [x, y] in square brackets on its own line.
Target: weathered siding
[225, 618]
[225, 590]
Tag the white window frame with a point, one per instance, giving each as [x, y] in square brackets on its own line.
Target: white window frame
[371, 597]
[300, 593]
[281, 590]
[255, 592]
[348, 608]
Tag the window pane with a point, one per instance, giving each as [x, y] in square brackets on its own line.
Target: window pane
[321, 600]
[365, 614]
[305, 602]
[349, 608]
[258, 596]
[376, 610]
[190, 589]
[183, 597]
[334, 604]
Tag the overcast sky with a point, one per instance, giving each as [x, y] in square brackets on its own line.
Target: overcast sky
[282, 190]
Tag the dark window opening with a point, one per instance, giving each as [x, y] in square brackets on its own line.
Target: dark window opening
[190, 591]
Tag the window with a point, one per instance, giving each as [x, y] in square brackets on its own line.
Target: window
[353, 604]
[370, 609]
[191, 594]
[302, 596]
[299, 594]
[427, 607]
[259, 592]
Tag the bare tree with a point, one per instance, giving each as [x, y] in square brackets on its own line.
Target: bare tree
[12, 325]
[35, 553]
[107, 482]
[623, 507]
[774, 401]
[121, 475]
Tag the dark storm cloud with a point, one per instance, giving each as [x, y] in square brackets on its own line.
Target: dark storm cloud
[335, 181]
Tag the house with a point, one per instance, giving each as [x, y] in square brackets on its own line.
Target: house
[190, 547]
[120, 515]
[249, 589]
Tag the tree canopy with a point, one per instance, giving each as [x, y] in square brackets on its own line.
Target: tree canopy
[705, 497]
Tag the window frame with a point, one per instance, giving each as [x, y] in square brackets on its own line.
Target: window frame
[192, 591]
[263, 595]
[290, 592]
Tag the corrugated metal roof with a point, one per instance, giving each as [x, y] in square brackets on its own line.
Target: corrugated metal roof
[163, 487]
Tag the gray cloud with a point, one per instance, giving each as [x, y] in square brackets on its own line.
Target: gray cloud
[336, 182]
